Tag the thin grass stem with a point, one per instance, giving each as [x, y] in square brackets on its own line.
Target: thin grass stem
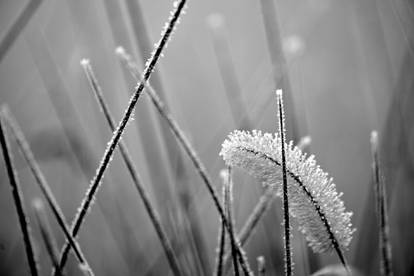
[18, 198]
[18, 26]
[286, 223]
[107, 157]
[381, 208]
[192, 154]
[27, 153]
[136, 178]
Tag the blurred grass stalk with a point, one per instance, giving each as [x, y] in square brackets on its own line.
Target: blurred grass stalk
[381, 208]
[218, 271]
[46, 233]
[151, 210]
[228, 208]
[18, 26]
[192, 154]
[18, 198]
[228, 73]
[25, 150]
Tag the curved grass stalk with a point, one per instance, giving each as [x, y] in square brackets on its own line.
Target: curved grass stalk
[314, 200]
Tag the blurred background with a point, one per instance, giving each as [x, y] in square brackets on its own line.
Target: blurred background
[347, 70]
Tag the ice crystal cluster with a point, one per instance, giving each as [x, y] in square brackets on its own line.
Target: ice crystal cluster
[313, 199]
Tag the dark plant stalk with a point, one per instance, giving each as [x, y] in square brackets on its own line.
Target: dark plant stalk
[27, 153]
[192, 154]
[18, 26]
[261, 266]
[286, 223]
[228, 203]
[221, 243]
[18, 198]
[136, 178]
[382, 212]
[88, 199]
[46, 233]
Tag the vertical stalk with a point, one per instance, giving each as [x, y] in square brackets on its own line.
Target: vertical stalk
[286, 223]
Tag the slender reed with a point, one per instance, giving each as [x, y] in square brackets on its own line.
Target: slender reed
[136, 178]
[18, 198]
[192, 154]
[27, 153]
[46, 233]
[382, 212]
[261, 266]
[88, 199]
[228, 203]
[18, 26]
[286, 223]
[222, 235]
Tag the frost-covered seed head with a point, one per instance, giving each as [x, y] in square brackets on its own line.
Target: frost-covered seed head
[313, 199]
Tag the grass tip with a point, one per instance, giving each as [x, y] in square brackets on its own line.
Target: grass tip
[85, 62]
[120, 50]
[279, 93]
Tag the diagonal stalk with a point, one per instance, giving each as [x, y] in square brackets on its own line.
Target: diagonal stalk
[18, 198]
[192, 154]
[27, 153]
[136, 178]
[93, 188]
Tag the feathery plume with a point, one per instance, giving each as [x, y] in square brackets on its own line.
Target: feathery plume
[314, 201]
